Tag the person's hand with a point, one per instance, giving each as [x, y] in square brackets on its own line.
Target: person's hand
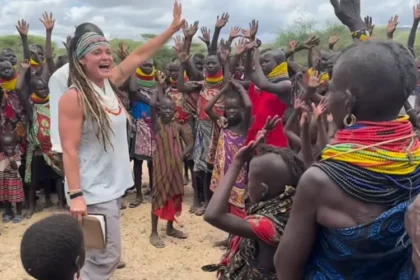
[25, 64]
[334, 39]
[67, 42]
[235, 32]
[245, 153]
[221, 21]
[179, 44]
[250, 46]
[161, 78]
[48, 21]
[240, 46]
[224, 51]
[253, 30]
[320, 109]
[177, 21]
[78, 208]
[392, 25]
[271, 123]
[314, 80]
[22, 27]
[190, 30]
[416, 12]
[122, 50]
[369, 25]
[236, 85]
[297, 104]
[305, 118]
[293, 45]
[205, 32]
[311, 42]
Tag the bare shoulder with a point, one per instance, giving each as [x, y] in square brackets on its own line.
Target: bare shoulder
[71, 100]
[313, 181]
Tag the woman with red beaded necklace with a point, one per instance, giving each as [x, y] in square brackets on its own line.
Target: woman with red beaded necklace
[93, 134]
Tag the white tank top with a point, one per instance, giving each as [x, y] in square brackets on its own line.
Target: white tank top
[104, 175]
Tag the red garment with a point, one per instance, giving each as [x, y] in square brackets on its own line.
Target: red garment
[239, 212]
[263, 227]
[172, 208]
[264, 105]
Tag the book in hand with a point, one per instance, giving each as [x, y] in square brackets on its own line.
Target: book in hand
[94, 231]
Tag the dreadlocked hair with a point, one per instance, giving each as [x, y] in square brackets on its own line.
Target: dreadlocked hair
[293, 162]
[91, 101]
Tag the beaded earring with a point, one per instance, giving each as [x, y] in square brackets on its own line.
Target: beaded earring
[349, 120]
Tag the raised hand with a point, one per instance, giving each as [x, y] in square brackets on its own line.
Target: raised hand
[293, 45]
[235, 32]
[272, 123]
[67, 42]
[22, 27]
[253, 30]
[25, 64]
[205, 35]
[251, 45]
[314, 80]
[298, 103]
[334, 39]
[122, 51]
[221, 21]
[224, 50]
[369, 25]
[305, 118]
[321, 108]
[161, 77]
[311, 42]
[240, 46]
[48, 21]
[179, 44]
[177, 21]
[190, 30]
[392, 25]
[416, 12]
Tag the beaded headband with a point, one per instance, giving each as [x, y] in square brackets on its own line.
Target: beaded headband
[88, 42]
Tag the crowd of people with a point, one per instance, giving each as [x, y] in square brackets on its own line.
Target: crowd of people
[316, 167]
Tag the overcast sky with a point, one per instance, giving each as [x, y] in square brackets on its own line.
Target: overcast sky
[130, 18]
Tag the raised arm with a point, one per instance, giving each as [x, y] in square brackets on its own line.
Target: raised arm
[247, 102]
[348, 12]
[49, 22]
[321, 120]
[153, 107]
[205, 32]
[392, 26]
[21, 88]
[416, 20]
[23, 29]
[144, 52]
[291, 135]
[305, 138]
[220, 23]
[333, 40]
[209, 107]
[180, 83]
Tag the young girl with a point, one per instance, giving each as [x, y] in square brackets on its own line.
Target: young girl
[11, 186]
[234, 128]
[273, 176]
[168, 186]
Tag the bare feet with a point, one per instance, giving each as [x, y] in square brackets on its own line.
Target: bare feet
[222, 243]
[136, 203]
[156, 241]
[200, 211]
[194, 208]
[176, 233]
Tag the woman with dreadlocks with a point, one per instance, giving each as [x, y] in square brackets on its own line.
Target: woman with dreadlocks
[347, 220]
[93, 134]
[272, 178]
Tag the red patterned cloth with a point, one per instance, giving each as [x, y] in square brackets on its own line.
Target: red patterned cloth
[11, 185]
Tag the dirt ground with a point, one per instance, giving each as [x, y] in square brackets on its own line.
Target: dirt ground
[180, 259]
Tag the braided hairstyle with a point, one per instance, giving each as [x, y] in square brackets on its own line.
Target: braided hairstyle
[293, 162]
[91, 101]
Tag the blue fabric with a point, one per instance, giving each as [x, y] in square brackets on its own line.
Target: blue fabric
[377, 250]
[140, 110]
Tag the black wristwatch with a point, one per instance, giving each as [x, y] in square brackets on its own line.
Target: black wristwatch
[75, 195]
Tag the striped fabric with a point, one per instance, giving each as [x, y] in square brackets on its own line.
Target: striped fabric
[168, 187]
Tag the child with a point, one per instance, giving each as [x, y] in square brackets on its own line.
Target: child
[273, 176]
[53, 248]
[234, 128]
[11, 186]
[168, 188]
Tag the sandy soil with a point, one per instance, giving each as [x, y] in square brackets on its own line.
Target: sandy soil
[181, 259]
